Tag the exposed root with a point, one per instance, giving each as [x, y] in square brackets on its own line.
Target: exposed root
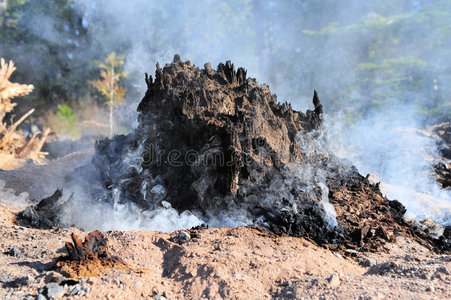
[88, 258]
[15, 148]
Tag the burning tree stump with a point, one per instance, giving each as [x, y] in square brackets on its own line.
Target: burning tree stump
[218, 143]
[89, 257]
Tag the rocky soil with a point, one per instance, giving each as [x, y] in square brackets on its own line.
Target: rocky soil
[232, 263]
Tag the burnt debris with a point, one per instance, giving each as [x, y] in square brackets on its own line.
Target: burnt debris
[45, 214]
[94, 245]
[442, 167]
[88, 257]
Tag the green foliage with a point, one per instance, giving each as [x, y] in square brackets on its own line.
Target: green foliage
[65, 113]
[46, 39]
[65, 122]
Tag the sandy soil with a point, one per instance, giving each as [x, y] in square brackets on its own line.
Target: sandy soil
[232, 263]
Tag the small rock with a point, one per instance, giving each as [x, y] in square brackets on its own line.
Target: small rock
[334, 281]
[20, 281]
[106, 279]
[53, 277]
[383, 268]
[14, 251]
[427, 275]
[138, 285]
[369, 262]
[288, 283]
[54, 290]
[75, 291]
[430, 289]
[443, 270]
[41, 297]
[181, 237]
[166, 204]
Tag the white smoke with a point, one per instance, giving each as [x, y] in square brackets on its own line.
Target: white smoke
[252, 34]
[103, 216]
[315, 147]
[196, 30]
[8, 196]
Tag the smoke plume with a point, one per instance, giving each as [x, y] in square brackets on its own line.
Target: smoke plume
[295, 47]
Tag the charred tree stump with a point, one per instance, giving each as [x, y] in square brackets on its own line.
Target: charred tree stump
[215, 142]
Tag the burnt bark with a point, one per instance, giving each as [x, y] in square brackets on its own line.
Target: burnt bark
[442, 167]
[45, 214]
[94, 245]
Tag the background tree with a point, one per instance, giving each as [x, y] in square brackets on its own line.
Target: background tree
[111, 73]
[362, 56]
[47, 41]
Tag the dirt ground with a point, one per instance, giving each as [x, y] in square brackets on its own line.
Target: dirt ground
[232, 263]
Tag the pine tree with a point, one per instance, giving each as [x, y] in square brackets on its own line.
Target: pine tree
[111, 73]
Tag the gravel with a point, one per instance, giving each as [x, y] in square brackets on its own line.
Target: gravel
[54, 290]
[334, 281]
[14, 251]
[181, 237]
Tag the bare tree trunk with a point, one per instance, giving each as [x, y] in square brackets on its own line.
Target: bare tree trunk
[3, 10]
[111, 102]
[3, 6]
[111, 121]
